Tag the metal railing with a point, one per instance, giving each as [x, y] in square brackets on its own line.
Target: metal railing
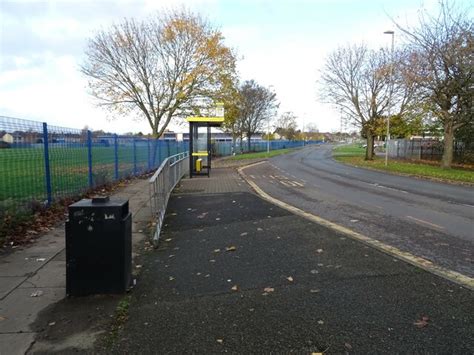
[162, 184]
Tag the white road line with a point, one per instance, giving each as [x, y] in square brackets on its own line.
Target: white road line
[253, 177]
[283, 182]
[385, 187]
[299, 184]
[425, 222]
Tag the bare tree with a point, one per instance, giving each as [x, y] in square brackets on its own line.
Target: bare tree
[357, 80]
[442, 48]
[167, 66]
[286, 125]
[257, 106]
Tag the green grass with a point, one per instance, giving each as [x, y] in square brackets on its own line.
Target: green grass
[348, 150]
[354, 155]
[259, 155]
[23, 172]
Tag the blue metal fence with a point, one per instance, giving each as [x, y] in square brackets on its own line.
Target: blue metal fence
[41, 163]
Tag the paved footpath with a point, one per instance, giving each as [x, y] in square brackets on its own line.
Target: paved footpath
[34, 278]
[236, 274]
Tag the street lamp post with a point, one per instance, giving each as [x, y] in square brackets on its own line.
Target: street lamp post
[392, 33]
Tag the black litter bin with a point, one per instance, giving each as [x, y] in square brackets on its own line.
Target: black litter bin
[98, 247]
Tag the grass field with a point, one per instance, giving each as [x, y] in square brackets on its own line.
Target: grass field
[354, 155]
[259, 155]
[22, 174]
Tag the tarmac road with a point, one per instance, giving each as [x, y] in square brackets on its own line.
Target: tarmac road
[428, 219]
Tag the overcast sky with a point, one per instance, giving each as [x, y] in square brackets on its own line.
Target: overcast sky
[281, 43]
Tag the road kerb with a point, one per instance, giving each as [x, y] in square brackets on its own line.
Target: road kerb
[414, 260]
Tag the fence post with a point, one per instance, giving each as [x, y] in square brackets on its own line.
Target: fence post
[47, 168]
[116, 161]
[149, 153]
[89, 157]
[134, 156]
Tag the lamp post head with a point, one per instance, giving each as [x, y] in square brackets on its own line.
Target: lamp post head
[389, 32]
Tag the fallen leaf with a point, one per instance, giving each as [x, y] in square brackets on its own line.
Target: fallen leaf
[40, 259]
[2, 318]
[348, 346]
[314, 272]
[140, 231]
[289, 278]
[218, 219]
[268, 289]
[171, 278]
[202, 215]
[259, 229]
[319, 250]
[51, 324]
[138, 266]
[198, 273]
[314, 291]
[235, 288]
[37, 293]
[231, 248]
[212, 261]
[168, 240]
[220, 341]
[354, 220]
[321, 322]
[243, 234]
[174, 214]
[217, 250]
[207, 275]
[171, 256]
[423, 322]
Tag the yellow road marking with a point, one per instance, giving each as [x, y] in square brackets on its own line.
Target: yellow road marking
[425, 222]
[417, 261]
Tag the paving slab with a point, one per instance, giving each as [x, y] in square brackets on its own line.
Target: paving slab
[15, 344]
[20, 309]
[52, 275]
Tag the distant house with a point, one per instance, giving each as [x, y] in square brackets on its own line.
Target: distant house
[7, 138]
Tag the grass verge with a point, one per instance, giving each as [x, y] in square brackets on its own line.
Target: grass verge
[354, 155]
[258, 155]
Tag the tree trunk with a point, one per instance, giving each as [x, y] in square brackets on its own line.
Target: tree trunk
[369, 150]
[248, 142]
[447, 159]
[234, 139]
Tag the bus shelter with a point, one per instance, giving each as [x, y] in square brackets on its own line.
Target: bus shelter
[200, 144]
